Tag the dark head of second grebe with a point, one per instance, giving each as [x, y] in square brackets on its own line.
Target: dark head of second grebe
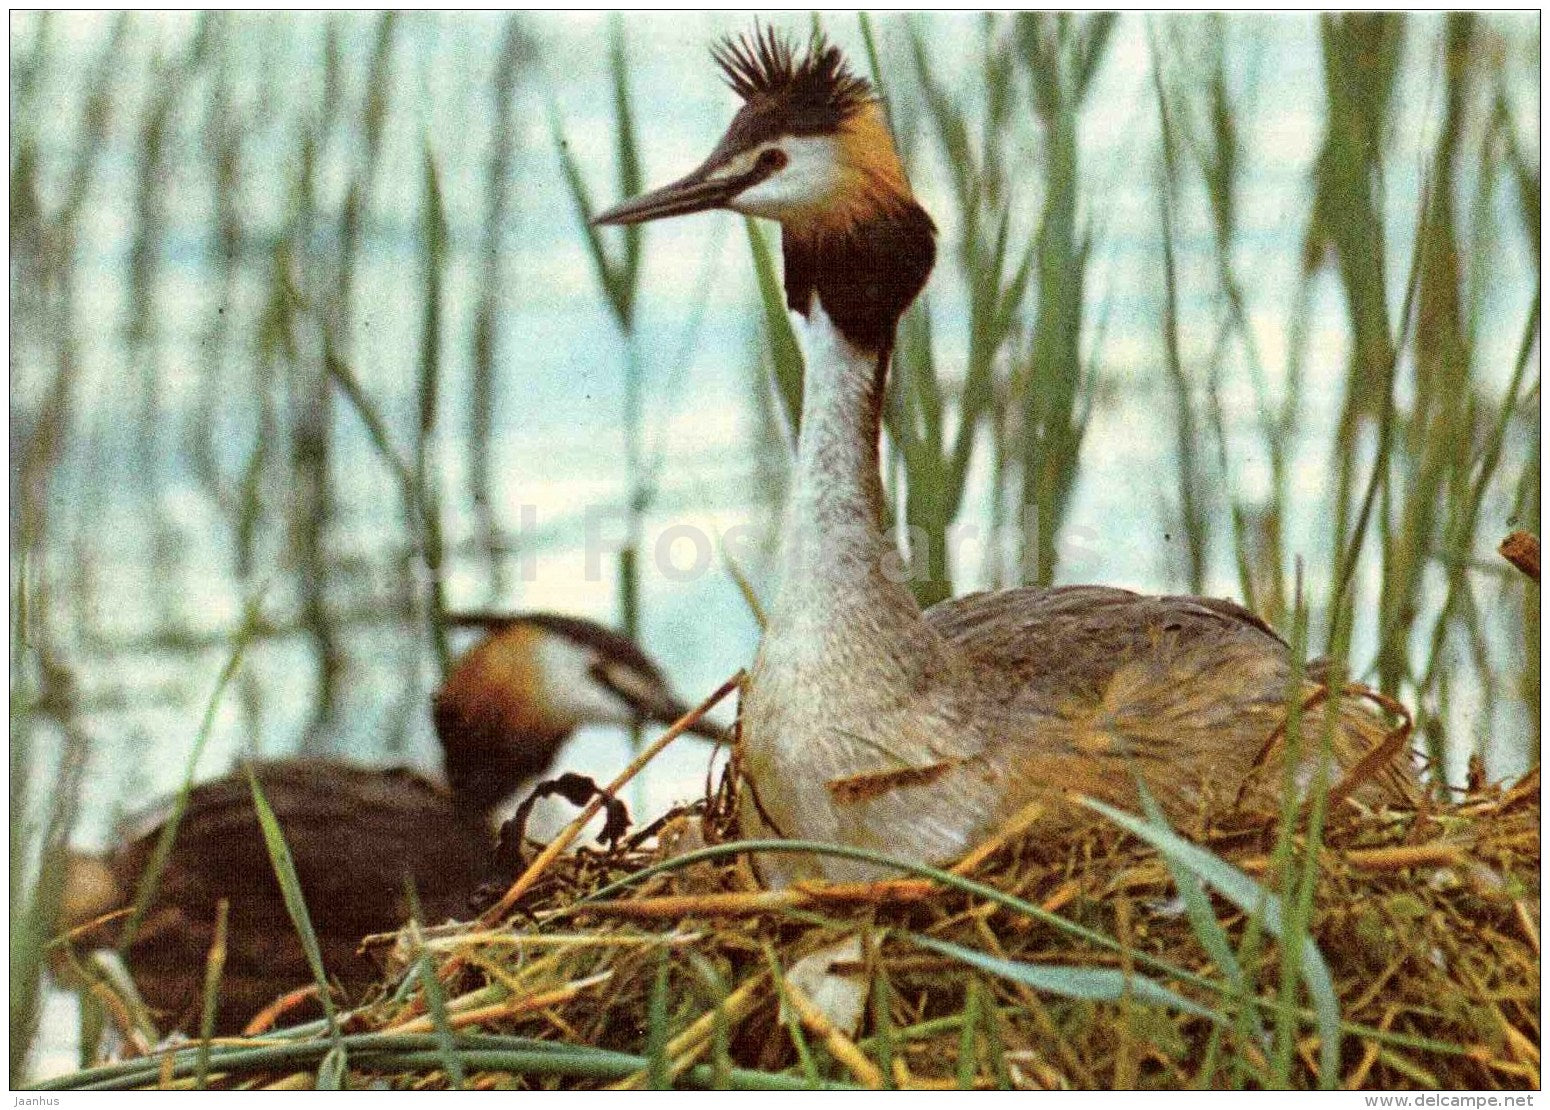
[512, 700]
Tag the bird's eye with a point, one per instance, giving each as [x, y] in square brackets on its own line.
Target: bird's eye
[771, 159]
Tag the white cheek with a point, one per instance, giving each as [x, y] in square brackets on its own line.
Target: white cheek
[809, 178]
[571, 689]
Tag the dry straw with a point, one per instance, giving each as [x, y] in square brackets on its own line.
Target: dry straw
[1119, 956]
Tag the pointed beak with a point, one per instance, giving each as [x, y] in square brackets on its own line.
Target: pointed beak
[696, 193]
[715, 184]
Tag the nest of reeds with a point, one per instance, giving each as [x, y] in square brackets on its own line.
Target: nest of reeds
[1405, 954]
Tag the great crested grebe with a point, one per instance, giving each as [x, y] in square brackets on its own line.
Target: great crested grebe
[871, 723]
[357, 834]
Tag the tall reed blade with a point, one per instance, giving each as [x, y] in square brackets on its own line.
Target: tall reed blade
[1060, 55]
[150, 878]
[427, 497]
[295, 901]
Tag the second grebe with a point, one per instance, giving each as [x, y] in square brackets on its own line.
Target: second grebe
[357, 835]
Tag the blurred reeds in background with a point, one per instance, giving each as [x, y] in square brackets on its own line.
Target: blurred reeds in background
[290, 293]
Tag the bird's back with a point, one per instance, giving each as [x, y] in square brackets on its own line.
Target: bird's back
[355, 835]
[1090, 688]
[1053, 644]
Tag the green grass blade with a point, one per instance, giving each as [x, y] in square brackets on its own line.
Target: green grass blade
[882, 1025]
[1525, 176]
[89, 1030]
[784, 350]
[1092, 984]
[745, 587]
[391, 1055]
[1213, 938]
[995, 1046]
[936, 874]
[150, 879]
[1192, 516]
[611, 277]
[334, 1069]
[1241, 890]
[788, 1015]
[426, 506]
[660, 1073]
[434, 236]
[631, 177]
[1208, 930]
[952, 131]
[721, 1033]
[215, 965]
[436, 1007]
[875, 68]
[371, 419]
[968, 1035]
[435, 996]
[295, 903]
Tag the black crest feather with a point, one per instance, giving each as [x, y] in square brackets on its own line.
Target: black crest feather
[816, 91]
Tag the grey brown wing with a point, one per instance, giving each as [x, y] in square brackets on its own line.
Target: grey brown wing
[1068, 641]
[1231, 611]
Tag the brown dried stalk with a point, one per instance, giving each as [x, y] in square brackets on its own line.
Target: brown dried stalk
[1521, 549]
[558, 845]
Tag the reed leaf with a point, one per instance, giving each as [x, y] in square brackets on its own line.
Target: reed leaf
[788, 1016]
[296, 906]
[150, 878]
[782, 340]
[435, 1001]
[631, 177]
[334, 1070]
[609, 273]
[1239, 889]
[396, 1052]
[1208, 930]
[427, 501]
[874, 66]
[1240, 885]
[215, 965]
[483, 399]
[1192, 516]
[1059, 57]
[1092, 984]
[968, 1035]
[660, 1073]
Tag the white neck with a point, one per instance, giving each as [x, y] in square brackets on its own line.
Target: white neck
[839, 573]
